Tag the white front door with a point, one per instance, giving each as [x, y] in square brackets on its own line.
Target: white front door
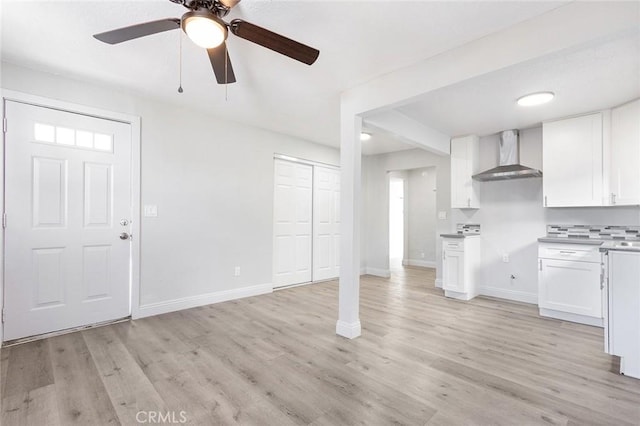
[292, 223]
[67, 196]
[326, 223]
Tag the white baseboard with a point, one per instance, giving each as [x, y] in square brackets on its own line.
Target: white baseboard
[459, 296]
[504, 293]
[201, 300]
[438, 282]
[348, 330]
[384, 273]
[417, 262]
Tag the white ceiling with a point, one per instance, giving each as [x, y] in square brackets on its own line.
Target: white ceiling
[603, 74]
[358, 41]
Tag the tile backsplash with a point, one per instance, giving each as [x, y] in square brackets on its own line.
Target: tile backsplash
[598, 232]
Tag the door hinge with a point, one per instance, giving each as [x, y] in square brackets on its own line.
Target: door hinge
[4, 124]
[4, 220]
[2, 315]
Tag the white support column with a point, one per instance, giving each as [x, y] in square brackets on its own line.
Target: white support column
[350, 187]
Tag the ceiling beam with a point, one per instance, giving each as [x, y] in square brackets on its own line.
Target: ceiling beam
[411, 131]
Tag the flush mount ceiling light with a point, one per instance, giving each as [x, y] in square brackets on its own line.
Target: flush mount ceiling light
[535, 99]
[365, 136]
[204, 28]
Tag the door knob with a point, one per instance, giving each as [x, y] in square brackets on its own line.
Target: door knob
[124, 236]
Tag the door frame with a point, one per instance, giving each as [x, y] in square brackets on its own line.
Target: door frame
[134, 122]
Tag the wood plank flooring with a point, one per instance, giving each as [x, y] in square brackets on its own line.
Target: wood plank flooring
[275, 360]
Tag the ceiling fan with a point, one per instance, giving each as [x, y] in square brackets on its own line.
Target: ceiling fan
[204, 25]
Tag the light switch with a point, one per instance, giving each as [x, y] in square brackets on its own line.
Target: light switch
[150, 210]
[442, 215]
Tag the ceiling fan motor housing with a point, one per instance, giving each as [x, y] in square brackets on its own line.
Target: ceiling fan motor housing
[218, 7]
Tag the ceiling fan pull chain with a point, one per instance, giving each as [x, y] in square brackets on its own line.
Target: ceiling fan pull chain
[180, 63]
[226, 67]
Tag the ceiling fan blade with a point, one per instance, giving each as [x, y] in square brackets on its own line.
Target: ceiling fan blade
[273, 41]
[139, 30]
[219, 57]
[229, 3]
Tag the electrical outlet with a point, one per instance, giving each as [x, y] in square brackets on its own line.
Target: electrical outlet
[505, 258]
[442, 215]
[236, 272]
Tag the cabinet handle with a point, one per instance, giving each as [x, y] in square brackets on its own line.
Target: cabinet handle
[545, 201]
[613, 198]
[540, 264]
[468, 202]
[567, 252]
[444, 255]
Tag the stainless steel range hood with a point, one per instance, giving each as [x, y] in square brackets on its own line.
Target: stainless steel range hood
[510, 167]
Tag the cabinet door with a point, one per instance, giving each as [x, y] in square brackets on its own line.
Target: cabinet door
[572, 162]
[464, 160]
[625, 154]
[453, 271]
[572, 287]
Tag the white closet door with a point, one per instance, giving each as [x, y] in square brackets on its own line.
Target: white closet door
[292, 217]
[326, 223]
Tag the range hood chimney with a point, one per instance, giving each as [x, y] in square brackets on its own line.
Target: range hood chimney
[510, 167]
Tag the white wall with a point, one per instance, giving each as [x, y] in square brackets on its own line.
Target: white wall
[512, 218]
[421, 217]
[375, 218]
[212, 181]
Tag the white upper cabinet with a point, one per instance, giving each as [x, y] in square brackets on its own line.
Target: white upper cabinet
[464, 164]
[572, 162]
[625, 155]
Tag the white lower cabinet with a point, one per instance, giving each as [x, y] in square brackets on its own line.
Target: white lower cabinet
[569, 283]
[460, 267]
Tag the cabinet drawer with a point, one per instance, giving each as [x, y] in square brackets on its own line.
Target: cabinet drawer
[576, 253]
[453, 245]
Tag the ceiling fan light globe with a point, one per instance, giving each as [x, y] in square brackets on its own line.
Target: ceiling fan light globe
[205, 31]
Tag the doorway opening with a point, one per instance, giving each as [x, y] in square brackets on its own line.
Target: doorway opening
[396, 222]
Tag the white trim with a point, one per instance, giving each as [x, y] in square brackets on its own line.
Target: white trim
[566, 316]
[383, 273]
[304, 161]
[503, 293]
[202, 299]
[134, 122]
[421, 263]
[438, 282]
[27, 98]
[459, 296]
[348, 330]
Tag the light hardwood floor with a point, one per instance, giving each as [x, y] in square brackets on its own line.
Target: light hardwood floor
[275, 360]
